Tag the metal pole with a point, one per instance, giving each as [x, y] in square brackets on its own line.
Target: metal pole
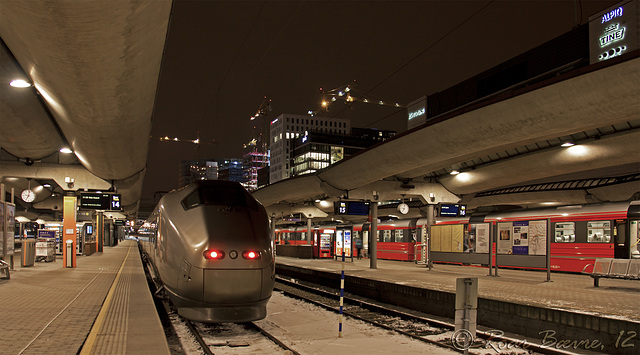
[548, 249]
[490, 249]
[494, 238]
[100, 230]
[373, 236]
[309, 231]
[273, 227]
[430, 222]
[341, 296]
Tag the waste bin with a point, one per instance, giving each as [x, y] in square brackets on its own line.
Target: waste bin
[69, 255]
[28, 252]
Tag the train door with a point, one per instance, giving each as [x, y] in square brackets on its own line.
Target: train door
[625, 240]
[621, 242]
[634, 237]
[633, 219]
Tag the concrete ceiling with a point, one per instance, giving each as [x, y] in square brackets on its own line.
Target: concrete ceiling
[95, 69]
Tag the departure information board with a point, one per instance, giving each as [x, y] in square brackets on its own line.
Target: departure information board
[101, 201]
[453, 210]
[352, 208]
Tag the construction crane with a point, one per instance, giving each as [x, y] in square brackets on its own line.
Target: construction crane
[350, 95]
[264, 109]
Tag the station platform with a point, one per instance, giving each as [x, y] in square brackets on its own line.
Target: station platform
[574, 292]
[103, 306]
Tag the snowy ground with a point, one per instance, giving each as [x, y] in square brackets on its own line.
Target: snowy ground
[311, 330]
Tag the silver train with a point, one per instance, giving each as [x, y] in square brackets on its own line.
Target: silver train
[210, 246]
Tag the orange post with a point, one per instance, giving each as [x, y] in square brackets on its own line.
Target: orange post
[69, 229]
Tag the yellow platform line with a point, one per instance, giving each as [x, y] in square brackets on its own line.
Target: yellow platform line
[95, 329]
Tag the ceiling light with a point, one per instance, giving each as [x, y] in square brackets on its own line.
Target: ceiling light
[454, 172]
[66, 150]
[19, 83]
[567, 144]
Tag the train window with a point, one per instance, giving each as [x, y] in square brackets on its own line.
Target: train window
[223, 195]
[565, 232]
[399, 236]
[386, 236]
[599, 232]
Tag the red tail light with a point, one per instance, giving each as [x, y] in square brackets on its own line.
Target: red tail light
[212, 254]
[251, 254]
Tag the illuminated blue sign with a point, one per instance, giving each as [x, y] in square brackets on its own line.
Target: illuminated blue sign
[612, 14]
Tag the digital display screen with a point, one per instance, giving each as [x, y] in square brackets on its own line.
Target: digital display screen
[453, 210]
[89, 229]
[352, 208]
[100, 201]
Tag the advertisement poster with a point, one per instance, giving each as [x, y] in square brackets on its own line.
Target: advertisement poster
[481, 232]
[470, 239]
[347, 243]
[9, 233]
[504, 238]
[538, 238]
[339, 242]
[521, 238]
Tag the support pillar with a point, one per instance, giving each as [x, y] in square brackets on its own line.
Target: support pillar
[69, 234]
[373, 236]
[100, 230]
[273, 226]
[309, 231]
[430, 222]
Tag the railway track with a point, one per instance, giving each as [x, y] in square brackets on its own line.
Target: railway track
[233, 338]
[413, 324]
[224, 338]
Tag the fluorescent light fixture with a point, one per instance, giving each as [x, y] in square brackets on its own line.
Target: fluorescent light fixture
[19, 83]
[66, 150]
[567, 144]
[454, 172]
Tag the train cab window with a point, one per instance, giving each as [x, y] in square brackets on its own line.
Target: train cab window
[599, 232]
[565, 232]
[220, 195]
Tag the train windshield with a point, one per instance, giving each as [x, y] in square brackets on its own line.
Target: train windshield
[232, 196]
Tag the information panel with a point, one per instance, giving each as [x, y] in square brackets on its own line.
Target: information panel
[352, 208]
[453, 210]
[100, 201]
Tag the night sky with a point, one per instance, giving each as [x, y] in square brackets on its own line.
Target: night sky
[222, 57]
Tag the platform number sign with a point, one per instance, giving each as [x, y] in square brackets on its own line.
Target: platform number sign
[342, 208]
[115, 203]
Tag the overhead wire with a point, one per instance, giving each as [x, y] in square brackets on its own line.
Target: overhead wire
[217, 94]
[418, 56]
[431, 46]
[278, 35]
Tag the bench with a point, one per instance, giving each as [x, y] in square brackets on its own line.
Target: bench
[628, 269]
[4, 268]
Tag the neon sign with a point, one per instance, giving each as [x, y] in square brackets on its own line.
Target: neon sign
[613, 52]
[415, 114]
[612, 34]
[612, 14]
